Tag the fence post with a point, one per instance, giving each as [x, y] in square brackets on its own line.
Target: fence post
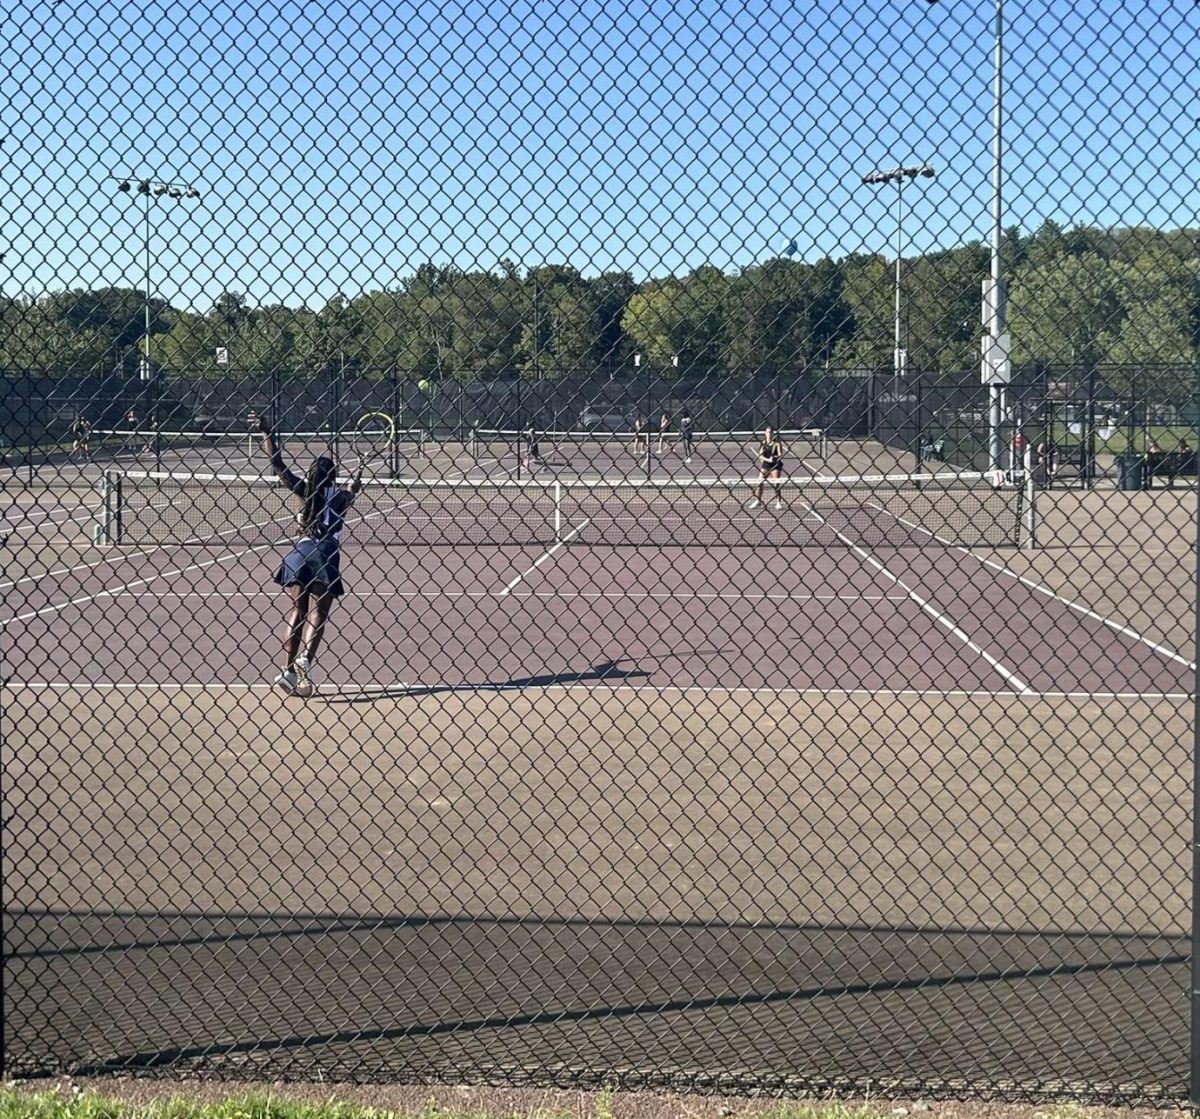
[273, 417]
[1194, 1033]
[1089, 438]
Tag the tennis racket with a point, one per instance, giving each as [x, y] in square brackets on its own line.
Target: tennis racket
[374, 442]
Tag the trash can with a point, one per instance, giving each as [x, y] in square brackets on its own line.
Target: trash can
[1129, 472]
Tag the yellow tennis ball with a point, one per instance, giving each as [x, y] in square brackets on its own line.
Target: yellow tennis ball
[423, 385]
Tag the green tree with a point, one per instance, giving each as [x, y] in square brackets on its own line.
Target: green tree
[868, 293]
[783, 316]
[1064, 309]
[940, 319]
[562, 325]
[681, 318]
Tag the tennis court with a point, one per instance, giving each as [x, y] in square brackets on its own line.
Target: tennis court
[574, 800]
[390, 451]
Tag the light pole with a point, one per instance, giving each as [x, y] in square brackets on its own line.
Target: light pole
[899, 176]
[996, 364]
[151, 189]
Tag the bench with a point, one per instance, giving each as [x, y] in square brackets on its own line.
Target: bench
[1169, 465]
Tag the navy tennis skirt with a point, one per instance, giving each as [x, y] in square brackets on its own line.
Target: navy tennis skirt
[313, 564]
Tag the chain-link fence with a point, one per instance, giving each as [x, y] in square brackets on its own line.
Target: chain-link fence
[525, 561]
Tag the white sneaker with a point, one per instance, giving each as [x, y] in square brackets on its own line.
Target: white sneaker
[754, 504]
[778, 504]
[285, 682]
[688, 459]
[305, 684]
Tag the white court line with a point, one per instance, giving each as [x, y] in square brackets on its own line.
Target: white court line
[416, 690]
[111, 592]
[119, 556]
[1041, 588]
[86, 598]
[544, 556]
[941, 619]
[61, 516]
[666, 596]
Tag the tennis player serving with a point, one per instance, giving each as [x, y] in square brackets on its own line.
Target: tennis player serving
[311, 571]
[770, 465]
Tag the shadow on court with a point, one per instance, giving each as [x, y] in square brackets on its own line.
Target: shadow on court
[345, 983]
[607, 672]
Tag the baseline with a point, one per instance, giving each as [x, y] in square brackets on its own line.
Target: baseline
[942, 619]
[1041, 588]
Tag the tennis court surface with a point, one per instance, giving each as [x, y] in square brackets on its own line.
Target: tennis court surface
[604, 774]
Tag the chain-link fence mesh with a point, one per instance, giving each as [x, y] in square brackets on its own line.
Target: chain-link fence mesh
[755, 669]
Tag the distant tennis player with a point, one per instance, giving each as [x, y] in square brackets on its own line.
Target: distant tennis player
[685, 433]
[81, 435]
[641, 437]
[131, 432]
[533, 449]
[770, 465]
[664, 426]
[312, 569]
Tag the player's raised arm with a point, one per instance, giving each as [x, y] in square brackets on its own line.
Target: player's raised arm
[270, 448]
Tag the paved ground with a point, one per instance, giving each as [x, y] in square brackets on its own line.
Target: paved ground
[919, 810]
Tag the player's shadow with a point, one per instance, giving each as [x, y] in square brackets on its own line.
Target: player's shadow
[606, 672]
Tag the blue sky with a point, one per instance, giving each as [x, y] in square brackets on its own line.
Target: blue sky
[340, 145]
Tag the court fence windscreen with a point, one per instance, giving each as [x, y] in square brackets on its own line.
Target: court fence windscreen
[643, 547]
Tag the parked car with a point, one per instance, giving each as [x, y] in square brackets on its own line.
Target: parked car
[604, 419]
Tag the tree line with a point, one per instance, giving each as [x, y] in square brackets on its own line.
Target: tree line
[1078, 296]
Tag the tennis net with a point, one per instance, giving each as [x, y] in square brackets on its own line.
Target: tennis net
[909, 510]
[798, 442]
[142, 441]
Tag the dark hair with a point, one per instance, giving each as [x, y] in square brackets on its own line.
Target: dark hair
[321, 475]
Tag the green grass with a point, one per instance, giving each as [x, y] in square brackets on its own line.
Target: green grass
[73, 1103]
[1167, 437]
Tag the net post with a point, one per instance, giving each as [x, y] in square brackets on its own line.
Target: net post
[557, 512]
[119, 511]
[102, 535]
[110, 508]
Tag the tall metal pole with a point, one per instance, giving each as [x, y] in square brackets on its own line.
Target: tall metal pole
[146, 337]
[898, 175]
[999, 310]
[151, 189]
[1194, 1093]
[149, 375]
[537, 330]
[898, 351]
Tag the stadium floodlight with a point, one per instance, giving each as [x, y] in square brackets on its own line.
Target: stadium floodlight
[151, 189]
[899, 176]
